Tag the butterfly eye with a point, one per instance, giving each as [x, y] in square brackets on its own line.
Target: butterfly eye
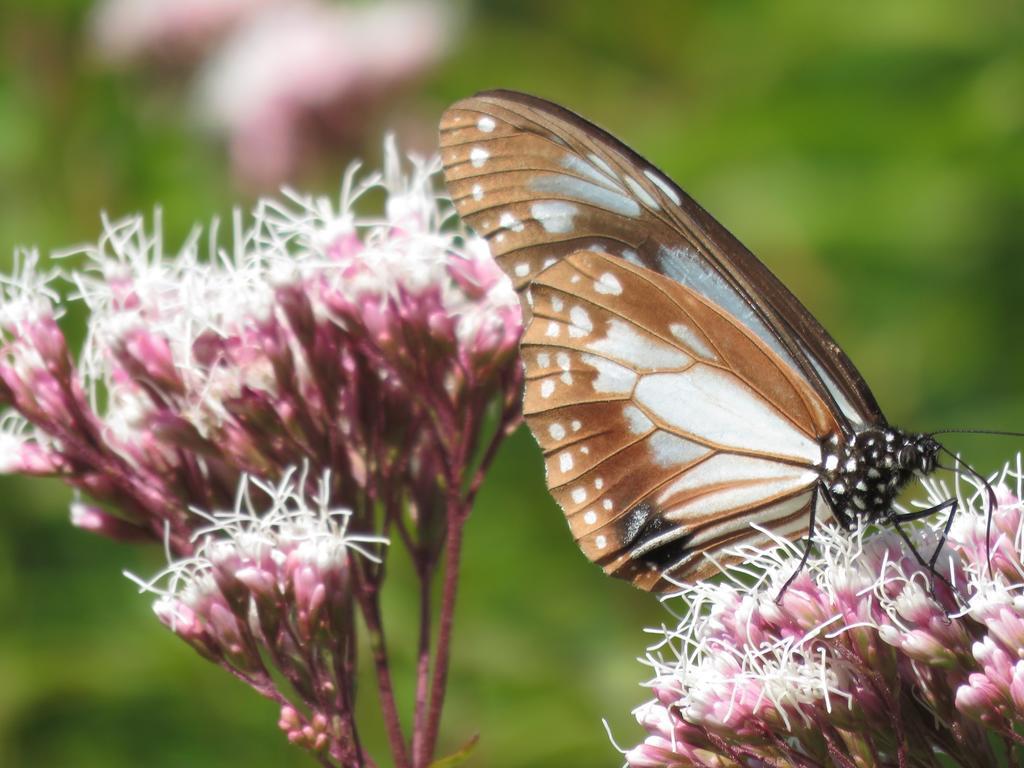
[928, 449]
[905, 457]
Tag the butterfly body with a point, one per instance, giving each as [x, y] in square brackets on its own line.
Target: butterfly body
[863, 475]
[684, 399]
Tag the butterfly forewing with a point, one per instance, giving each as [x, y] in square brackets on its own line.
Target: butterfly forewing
[680, 392]
[540, 182]
[666, 429]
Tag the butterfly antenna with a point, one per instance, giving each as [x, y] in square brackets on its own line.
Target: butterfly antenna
[1000, 432]
[990, 497]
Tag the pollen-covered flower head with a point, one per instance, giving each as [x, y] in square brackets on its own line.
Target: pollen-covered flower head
[369, 343]
[867, 653]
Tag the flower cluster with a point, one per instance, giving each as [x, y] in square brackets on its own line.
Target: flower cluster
[265, 594]
[371, 347]
[867, 658]
[375, 351]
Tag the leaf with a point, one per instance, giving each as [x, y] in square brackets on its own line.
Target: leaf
[459, 756]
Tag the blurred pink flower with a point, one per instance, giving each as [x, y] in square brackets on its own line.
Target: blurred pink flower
[865, 660]
[126, 30]
[306, 73]
[283, 81]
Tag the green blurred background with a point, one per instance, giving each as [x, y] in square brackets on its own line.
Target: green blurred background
[871, 153]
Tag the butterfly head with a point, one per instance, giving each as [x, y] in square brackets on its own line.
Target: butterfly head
[918, 455]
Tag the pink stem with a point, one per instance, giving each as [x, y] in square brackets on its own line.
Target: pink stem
[370, 605]
[453, 552]
[423, 666]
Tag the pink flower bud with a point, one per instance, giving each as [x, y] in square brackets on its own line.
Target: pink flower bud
[91, 518]
[979, 698]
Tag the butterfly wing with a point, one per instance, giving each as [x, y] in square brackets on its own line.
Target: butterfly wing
[540, 182]
[667, 428]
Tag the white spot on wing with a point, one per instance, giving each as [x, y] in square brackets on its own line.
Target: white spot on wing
[576, 425]
[590, 518]
[579, 495]
[486, 124]
[841, 400]
[508, 221]
[478, 192]
[557, 431]
[564, 462]
[632, 257]
[611, 377]
[553, 329]
[544, 359]
[581, 322]
[770, 516]
[715, 406]
[478, 156]
[689, 337]
[663, 185]
[645, 197]
[601, 542]
[637, 419]
[522, 269]
[557, 304]
[599, 162]
[581, 167]
[625, 343]
[668, 450]
[738, 480]
[556, 216]
[547, 388]
[585, 192]
[608, 284]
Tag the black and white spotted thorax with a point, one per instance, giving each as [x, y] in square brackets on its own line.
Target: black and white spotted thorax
[861, 477]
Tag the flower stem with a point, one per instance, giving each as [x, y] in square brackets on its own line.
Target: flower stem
[453, 554]
[423, 666]
[369, 603]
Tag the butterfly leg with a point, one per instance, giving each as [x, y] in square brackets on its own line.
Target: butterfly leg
[952, 505]
[807, 547]
[930, 566]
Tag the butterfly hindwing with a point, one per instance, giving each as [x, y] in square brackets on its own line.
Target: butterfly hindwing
[666, 429]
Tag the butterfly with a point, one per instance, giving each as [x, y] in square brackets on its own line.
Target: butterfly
[679, 391]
